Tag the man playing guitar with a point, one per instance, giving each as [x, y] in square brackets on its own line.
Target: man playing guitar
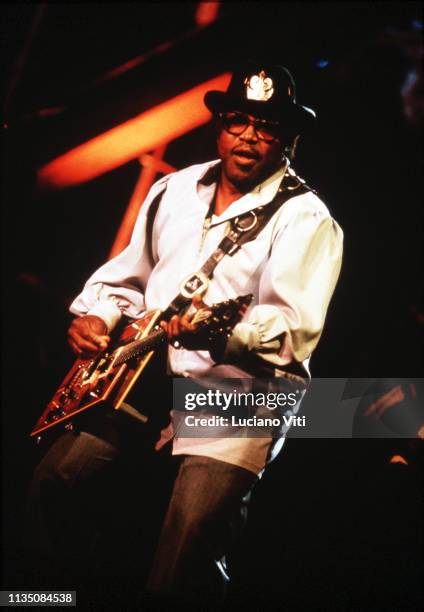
[290, 267]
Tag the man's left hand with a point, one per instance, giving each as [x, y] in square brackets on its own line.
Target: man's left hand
[182, 332]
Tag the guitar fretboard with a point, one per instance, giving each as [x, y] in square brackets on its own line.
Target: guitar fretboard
[143, 345]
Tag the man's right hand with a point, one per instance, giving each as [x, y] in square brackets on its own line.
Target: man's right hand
[87, 335]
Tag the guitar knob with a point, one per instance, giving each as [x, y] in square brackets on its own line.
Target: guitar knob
[53, 415]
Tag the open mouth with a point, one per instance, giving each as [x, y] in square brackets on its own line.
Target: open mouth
[245, 154]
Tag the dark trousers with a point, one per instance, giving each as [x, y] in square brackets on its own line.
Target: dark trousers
[79, 493]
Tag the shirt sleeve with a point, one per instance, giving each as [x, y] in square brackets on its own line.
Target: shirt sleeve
[118, 286]
[294, 293]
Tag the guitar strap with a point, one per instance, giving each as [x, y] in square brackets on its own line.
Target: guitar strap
[243, 229]
[151, 214]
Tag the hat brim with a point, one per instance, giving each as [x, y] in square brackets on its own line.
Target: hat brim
[300, 117]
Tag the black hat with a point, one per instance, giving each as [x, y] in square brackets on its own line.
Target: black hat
[265, 91]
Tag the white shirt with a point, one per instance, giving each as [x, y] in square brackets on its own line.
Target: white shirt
[291, 268]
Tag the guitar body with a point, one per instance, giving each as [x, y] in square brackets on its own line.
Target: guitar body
[102, 379]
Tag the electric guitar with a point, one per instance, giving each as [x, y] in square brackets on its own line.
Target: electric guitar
[108, 378]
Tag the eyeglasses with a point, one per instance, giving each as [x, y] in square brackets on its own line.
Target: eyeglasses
[236, 123]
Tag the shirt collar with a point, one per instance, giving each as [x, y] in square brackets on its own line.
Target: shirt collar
[260, 195]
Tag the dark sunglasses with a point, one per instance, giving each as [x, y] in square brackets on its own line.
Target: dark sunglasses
[236, 123]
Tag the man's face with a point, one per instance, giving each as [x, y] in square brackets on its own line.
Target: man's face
[248, 160]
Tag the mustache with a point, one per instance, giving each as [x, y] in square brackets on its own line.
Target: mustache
[247, 151]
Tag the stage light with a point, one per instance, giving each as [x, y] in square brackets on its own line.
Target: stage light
[206, 13]
[322, 63]
[398, 459]
[146, 132]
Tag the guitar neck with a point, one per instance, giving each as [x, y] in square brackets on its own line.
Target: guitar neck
[143, 345]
